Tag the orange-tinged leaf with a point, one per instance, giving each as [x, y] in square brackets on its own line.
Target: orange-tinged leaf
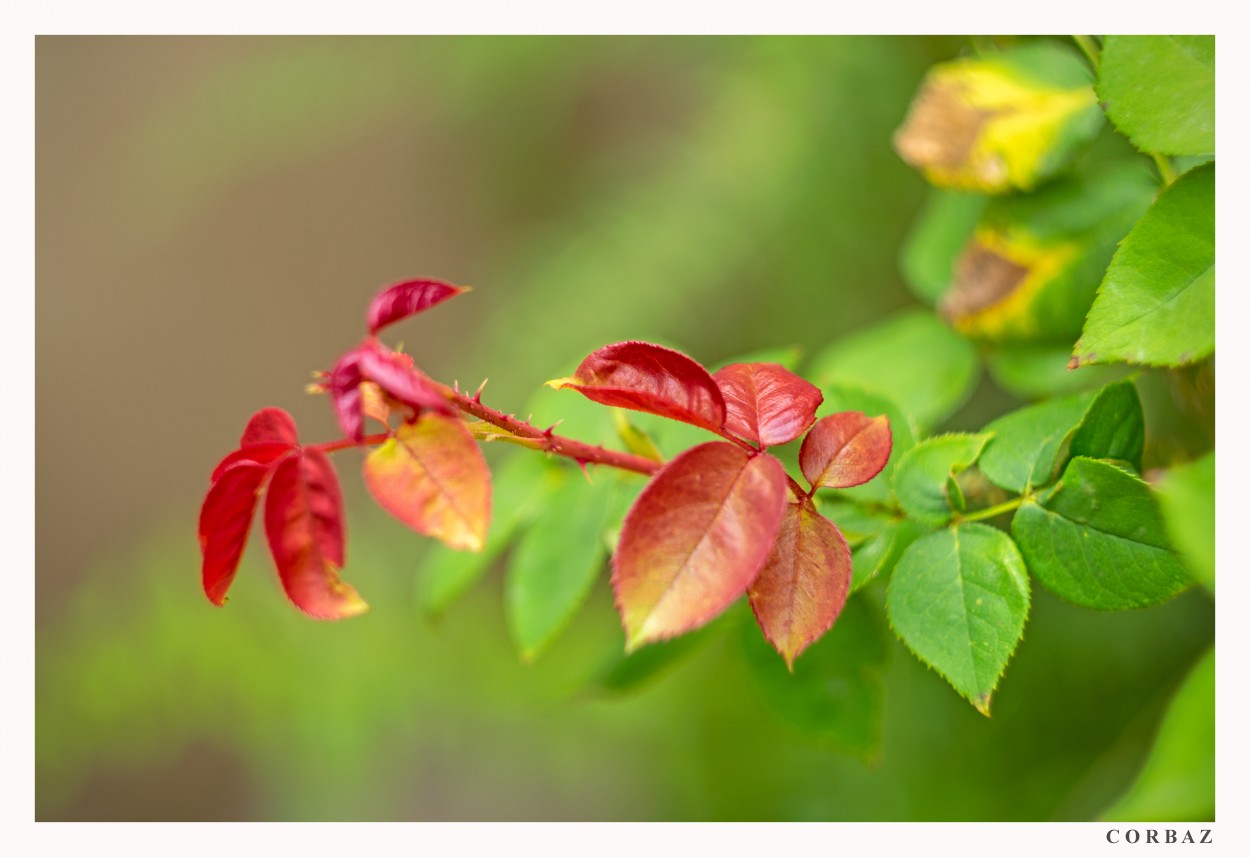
[408, 298]
[641, 376]
[304, 525]
[225, 519]
[270, 425]
[846, 449]
[432, 476]
[695, 539]
[766, 402]
[804, 583]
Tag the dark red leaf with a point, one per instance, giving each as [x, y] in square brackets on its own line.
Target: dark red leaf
[259, 453]
[695, 539]
[804, 584]
[304, 525]
[645, 377]
[394, 375]
[270, 425]
[225, 519]
[846, 449]
[408, 298]
[766, 402]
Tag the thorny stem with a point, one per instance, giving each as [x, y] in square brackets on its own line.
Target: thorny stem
[548, 441]
[582, 453]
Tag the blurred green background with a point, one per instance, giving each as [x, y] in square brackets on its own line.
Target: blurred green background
[213, 214]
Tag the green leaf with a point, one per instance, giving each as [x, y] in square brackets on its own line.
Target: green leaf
[877, 539]
[847, 397]
[1113, 427]
[519, 493]
[1156, 304]
[1159, 91]
[1178, 780]
[1098, 540]
[835, 695]
[1187, 497]
[1041, 370]
[554, 565]
[911, 358]
[1026, 445]
[959, 599]
[920, 481]
[936, 239]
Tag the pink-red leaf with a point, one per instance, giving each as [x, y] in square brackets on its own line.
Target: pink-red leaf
[645, 377]
[304, 525]
[257, 453]
[225, 519]
[846, 449]
[766, 402]
[270, 425]
[394, 375]
[695, 539]
[432, 476]
[804, 583]
[408, 298]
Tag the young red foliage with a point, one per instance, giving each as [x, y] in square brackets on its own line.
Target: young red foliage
[394, 375]
[304, 525]
[225, 519]
[804, 583]
[641, 376]
[767, 403]
[844, 450]
[695, 539]
[432, 476]
[270, 425]
[410, 297]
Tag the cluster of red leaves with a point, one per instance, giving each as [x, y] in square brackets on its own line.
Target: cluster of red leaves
[720, 520]
[716, 521]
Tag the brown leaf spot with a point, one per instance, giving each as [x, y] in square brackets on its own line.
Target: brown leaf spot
[941, 129]
[983, 278]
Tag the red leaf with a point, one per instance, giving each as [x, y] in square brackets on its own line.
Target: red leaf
[846, 449]
[767, 403]
[804, 583]
[645, 377]
[304, 524]
[225, 519]
[432, 476]
[393, 373]
[270, 425]
[258, 453]
[695, 539]
[408, 298]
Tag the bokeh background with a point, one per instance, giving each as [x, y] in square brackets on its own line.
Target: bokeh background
[213, 214]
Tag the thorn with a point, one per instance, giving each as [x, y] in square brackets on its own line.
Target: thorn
[477, 397]
[547, 431]
[455, 385]
[585, 471]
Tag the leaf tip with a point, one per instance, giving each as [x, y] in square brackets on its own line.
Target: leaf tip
[982, 704]
[560, 383]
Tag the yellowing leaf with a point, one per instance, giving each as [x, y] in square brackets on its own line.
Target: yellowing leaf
[1000, 122]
